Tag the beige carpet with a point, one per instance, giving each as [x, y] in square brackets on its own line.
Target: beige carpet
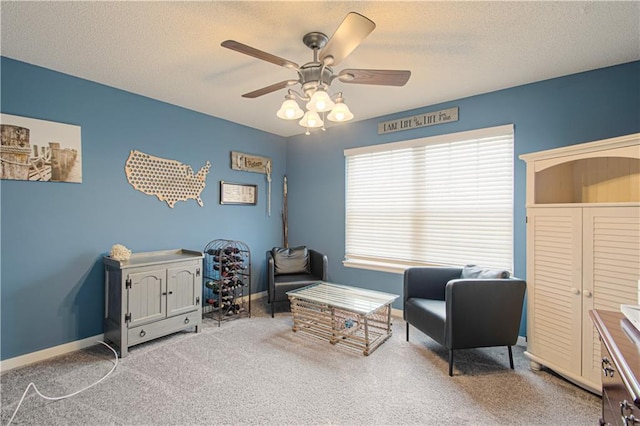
[257, 371]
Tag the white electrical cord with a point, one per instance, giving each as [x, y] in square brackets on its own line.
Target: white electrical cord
[56, 398]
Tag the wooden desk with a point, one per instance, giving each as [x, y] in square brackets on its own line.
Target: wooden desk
[620, 368]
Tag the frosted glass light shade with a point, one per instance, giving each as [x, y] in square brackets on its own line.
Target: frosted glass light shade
[320, 102]
[289, 110]
[340, 112]
[311, 119]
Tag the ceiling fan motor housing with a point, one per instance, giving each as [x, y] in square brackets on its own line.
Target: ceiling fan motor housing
[314, 75]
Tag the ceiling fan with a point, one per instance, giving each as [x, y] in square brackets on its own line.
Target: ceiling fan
[315, 77]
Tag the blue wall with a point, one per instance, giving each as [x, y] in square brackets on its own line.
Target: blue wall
[563, 111]
[55, 234]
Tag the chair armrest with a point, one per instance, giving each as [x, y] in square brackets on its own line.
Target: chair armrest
[428, 282]
[483, 312]
[319, 264]
[271, 269]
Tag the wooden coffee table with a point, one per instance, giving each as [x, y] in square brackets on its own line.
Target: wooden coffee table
[342, 314]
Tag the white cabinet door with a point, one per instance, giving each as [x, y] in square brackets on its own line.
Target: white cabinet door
[145, 297]
[183, 288]
[554, 277]
[611, 270]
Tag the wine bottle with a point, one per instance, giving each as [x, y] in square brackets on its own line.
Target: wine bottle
[236, 265]
[213, 286]
[213, 302]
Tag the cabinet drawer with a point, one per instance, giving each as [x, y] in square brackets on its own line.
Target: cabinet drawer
[153, 330]
[617, 403]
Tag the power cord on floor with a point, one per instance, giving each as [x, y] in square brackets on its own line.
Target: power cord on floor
[56, 398]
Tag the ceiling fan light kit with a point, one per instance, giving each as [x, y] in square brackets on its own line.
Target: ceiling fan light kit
[320, 101]
[340, 112]
[311, 120]
[315, 77]
[290, 110]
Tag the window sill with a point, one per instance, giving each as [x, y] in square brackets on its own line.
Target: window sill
[375, 266]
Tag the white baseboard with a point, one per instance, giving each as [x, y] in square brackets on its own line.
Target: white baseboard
[260, 295]
[22, 360]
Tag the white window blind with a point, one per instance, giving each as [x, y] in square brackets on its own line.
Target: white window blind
[444, 200]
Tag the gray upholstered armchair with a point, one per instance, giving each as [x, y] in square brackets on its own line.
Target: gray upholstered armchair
[463, 308]
[291, 268]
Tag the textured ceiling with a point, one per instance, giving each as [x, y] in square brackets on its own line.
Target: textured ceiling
[171, 51]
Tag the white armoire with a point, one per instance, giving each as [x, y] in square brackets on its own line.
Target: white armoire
[583, 250]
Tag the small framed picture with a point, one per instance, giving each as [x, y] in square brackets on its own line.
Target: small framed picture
[238, 193]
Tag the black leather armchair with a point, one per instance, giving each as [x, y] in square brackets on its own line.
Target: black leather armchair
[463, 313]
[292, 268]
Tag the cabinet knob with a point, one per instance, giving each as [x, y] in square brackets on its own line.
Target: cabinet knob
[587, 293]
[186, 320]
[143, 333]
[575, 290]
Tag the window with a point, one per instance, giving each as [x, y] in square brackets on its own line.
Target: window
[443, 200]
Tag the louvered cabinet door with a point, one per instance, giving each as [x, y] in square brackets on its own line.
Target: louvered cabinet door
[554, 277]
[611, 270]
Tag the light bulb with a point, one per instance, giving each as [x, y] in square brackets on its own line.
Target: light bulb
[340, 112]
[320, 101]
[289, 110]
[311, 119]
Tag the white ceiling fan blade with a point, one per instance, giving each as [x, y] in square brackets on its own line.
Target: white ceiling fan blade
[353, 29]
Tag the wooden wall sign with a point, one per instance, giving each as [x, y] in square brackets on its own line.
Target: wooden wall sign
[416, 121]
[256, 164]
[250, 163]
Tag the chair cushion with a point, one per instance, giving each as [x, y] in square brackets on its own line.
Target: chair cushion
[473, 271]
[428, 316]
[291, 260]
[284, 283]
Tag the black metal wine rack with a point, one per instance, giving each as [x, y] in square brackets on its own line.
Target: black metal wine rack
[227, 280]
